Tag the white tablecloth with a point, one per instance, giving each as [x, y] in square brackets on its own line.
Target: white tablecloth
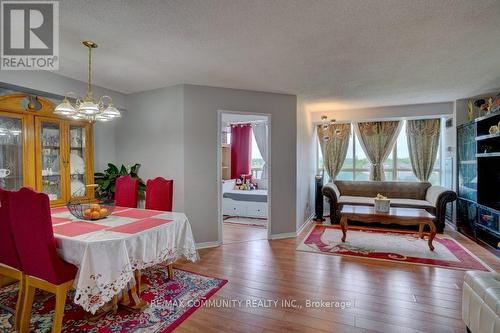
[107, 259]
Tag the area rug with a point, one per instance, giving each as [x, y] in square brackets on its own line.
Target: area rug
[391, 245]
[170, 303]
[254, 222]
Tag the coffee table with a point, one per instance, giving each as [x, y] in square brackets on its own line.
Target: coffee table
[401, 216]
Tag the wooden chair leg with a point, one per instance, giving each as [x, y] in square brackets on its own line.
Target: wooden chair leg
[170, 271]
[29, 295]
[138, 276]
[19, 304]
[59, 310]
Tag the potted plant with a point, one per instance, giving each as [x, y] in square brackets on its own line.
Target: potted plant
[106, 181]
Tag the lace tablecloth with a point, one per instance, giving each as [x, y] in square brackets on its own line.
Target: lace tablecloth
[108, 251]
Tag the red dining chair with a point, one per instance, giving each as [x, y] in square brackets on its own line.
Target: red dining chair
[34, 239]
[159, 194]
[10, 265]
[126, 191]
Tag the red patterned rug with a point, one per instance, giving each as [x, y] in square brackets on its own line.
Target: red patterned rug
[170, 303]
[391, 245]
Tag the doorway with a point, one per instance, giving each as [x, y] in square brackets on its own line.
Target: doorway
[244, 174]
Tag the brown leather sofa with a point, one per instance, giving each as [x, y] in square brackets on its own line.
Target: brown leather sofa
[402, 194]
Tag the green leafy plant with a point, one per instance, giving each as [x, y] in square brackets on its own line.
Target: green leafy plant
[106, 181]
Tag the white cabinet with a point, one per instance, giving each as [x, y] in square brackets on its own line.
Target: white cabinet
[244, 208]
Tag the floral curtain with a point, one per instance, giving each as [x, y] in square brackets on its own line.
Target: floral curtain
[423, 140]
[377, 139]
[334, 141]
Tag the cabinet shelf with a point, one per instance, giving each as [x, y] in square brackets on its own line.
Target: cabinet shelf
[491, 115]
[497, 154]
[488, 136]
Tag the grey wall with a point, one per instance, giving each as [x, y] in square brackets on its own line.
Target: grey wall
[200, 154]
[151, 134]
[306, 164]
[55, 86]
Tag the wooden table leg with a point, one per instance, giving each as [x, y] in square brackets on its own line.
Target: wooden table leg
[343, 226]
[432, 235]
[421, 230]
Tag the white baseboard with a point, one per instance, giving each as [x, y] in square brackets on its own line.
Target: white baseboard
[293, 234]
[305, 224]
[207, 245]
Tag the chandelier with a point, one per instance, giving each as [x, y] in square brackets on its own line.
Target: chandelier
[86, 108]
[325, 125]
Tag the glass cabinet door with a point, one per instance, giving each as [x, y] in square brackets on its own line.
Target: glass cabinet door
[78, 160]
[50, 158]
[11, 152]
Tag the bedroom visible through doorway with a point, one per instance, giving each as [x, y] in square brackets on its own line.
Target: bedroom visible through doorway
[244, 175]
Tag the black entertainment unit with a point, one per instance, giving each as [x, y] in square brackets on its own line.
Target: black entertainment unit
[478, 171]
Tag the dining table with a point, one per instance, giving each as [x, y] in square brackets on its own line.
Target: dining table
[109, 252]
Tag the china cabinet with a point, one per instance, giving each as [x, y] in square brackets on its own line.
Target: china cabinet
[42, 150]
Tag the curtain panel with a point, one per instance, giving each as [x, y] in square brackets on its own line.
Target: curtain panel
[423, 141]
[335, 148]
[377, 138]
[260, 133]
[241, 150]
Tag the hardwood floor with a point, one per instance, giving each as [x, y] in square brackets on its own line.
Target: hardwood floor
[234, 233]
[386, 296]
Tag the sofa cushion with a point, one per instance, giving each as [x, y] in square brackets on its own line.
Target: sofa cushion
[370, 189]
[487, 286]
[412, 203]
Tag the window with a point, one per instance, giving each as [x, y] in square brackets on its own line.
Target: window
[397, 166]
[257, 161]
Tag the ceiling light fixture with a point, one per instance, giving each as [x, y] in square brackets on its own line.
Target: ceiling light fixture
[325, 125]
[86, 108]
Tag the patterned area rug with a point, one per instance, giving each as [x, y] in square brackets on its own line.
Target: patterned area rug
[170, 303]
[391, 245]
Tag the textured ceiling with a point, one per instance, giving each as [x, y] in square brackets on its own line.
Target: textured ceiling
[335, 54]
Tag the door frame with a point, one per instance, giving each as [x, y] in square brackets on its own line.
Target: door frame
[219, 170]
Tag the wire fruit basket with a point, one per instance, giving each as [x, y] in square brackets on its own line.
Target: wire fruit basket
[90, 209]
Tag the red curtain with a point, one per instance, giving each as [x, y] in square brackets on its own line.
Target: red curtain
[241, 150]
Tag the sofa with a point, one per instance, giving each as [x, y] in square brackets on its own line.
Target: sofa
[402, 194]
[481, 302]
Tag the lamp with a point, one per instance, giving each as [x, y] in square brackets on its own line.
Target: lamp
[86, 108]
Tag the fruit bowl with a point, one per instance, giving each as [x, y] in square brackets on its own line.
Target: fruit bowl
[90, 209]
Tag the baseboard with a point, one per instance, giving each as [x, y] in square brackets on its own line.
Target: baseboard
[283, 235]
[293, 234]
[305, 224]
[207, 245]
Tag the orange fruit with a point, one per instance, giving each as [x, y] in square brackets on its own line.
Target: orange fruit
[87, 213]
[95, 215]
[103, 212]
[95, 207]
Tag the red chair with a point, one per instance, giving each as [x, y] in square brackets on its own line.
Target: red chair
[31, 227]
[159, 194]
[10, 265]
[126, 191]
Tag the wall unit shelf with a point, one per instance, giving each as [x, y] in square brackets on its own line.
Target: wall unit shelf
[478, 166]
[488, 136]
[488, 155]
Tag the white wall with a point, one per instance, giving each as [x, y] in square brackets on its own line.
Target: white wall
[151, 134]
[306, 164]
[387, 112]
[201, 105]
